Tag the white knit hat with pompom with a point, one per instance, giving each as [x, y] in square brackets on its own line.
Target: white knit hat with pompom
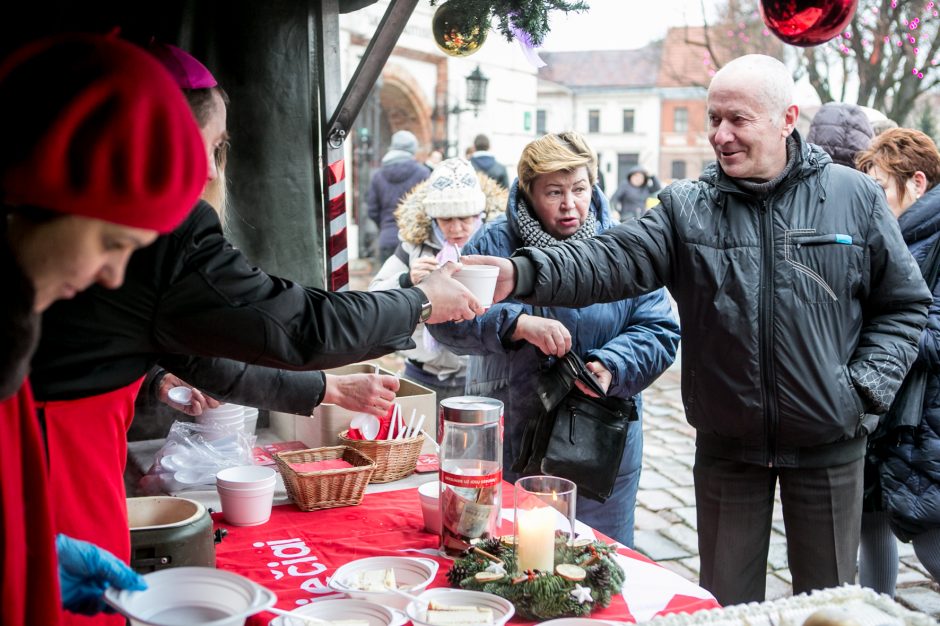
[453, 190]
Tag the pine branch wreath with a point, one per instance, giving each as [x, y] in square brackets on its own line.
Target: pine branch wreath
[530, 16]
[541, 595]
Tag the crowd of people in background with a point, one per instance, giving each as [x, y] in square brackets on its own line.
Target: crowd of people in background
[797, 268]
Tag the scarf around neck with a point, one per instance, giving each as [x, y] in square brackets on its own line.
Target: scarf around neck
[533, 235]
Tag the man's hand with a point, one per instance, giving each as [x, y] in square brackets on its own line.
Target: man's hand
[421, 267]
[505, 282]
[197, 405]
[450, 301]
[549, 336]
[362, 393]
[601, 373]
[86, 571]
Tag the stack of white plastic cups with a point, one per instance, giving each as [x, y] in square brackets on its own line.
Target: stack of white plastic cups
[251, 420]
[246, 493]
[227, 419]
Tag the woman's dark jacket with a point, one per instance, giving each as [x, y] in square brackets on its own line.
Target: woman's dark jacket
[801, 310]
[635, 338]
[910, 475]
[192, 293]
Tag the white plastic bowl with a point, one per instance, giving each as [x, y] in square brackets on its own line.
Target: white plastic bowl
[416, 610]
[184, 596]
[413, 574]
[181, 395]
[373, 613]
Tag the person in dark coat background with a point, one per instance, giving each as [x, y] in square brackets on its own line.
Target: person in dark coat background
[630, 197]
[842, 130]
[627, 344]
[399, 173]
[483, 160]
[906, 164]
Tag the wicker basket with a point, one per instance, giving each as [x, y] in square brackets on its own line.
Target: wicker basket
[326, 489]
[394, 458]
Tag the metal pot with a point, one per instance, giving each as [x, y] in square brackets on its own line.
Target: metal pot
[169, 532]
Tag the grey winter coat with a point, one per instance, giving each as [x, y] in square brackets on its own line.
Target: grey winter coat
[842, 130]
[800, 311]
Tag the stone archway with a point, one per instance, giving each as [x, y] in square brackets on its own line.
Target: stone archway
[405, 107]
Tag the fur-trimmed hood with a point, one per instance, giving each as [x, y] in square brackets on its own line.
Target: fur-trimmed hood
[414, 225]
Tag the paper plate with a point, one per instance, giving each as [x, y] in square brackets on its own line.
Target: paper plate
[373, 613]
[502, 608]
[413, 574]
[192, 595]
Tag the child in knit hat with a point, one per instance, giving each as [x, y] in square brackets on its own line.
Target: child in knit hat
[435, 220]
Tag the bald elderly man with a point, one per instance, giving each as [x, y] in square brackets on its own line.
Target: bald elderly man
[801, 309]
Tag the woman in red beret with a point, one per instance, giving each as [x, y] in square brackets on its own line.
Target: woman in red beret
[99, 155]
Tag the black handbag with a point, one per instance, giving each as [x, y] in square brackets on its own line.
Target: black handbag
[576, 436]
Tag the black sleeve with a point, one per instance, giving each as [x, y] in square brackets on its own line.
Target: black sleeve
[216, 304]
[250, 385]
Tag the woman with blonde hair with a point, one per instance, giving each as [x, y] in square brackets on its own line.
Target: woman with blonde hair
[902, 472]
[626, 344]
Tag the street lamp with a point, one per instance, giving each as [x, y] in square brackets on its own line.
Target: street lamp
[476, 92]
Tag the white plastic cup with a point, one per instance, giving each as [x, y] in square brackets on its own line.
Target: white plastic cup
[480, 280]
[429, 495]
[247, 503]
[246, 477]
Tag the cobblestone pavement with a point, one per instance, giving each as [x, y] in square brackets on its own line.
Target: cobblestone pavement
[665, 511]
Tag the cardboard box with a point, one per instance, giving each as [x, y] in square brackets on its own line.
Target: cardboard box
[328, 420]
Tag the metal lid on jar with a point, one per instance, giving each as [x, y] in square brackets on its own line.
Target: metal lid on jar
[471, 410]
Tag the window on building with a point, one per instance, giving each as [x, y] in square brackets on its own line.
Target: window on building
[680, 119]
[594, 121]
[541, 121]
[678, 169]
[626, 160]
[628, 120]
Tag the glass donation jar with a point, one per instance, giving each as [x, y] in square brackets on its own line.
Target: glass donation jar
[471, 471]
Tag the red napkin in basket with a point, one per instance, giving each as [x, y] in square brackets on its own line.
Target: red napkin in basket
[385, 423]
[353, 433]
[319, 466]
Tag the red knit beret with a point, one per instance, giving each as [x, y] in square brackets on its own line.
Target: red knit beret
[94, 126]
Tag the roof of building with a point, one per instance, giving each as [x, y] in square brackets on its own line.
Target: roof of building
[636, 68]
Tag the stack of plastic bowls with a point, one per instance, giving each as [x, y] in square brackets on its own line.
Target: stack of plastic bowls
[251, 420]
[246, 493]
[226, 418]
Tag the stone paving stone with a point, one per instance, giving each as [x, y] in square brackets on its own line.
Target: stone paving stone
[910, 576]
[657, 499]
[684, 494]
[682, 535]
[923, 599]
[785, 574]
[686, 459]
[673, 436]
[777, 556]
[647, 520]
[687, 515]
[694, 564]
[778, 527]
[680, 569]
[656, 410]
[654, 451]
[905, 550]
[651, 479]
[778, 588]
[657, 547]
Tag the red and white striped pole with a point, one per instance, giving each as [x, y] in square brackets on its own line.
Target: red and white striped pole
[337, 255]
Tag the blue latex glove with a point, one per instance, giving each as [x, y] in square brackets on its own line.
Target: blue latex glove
[86, 571]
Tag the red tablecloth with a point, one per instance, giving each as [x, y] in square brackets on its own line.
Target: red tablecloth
[295, 553]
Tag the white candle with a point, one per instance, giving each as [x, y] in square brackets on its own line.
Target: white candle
[536, 540]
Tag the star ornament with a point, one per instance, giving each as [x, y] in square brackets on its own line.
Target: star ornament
[581, 594]
[497, 568]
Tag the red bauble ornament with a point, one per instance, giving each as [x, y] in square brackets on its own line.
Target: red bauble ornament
[807, 22]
